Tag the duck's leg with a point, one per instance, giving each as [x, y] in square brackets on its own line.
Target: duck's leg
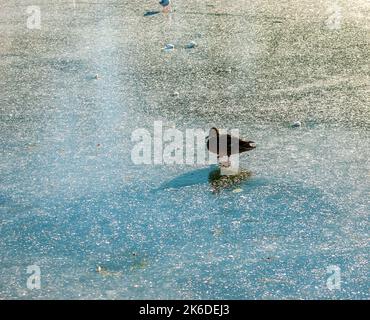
[228, 161]
[225, 164]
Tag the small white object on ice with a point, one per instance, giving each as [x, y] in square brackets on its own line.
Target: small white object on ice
[191, 45]
[296, 124]
[169, 47]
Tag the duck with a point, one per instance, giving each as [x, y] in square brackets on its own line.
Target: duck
[212, 141]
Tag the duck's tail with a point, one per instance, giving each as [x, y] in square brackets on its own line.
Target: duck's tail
[246, 145]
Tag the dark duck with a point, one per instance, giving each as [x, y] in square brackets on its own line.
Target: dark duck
[233, 145]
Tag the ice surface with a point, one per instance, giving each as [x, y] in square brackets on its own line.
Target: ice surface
[73, 203]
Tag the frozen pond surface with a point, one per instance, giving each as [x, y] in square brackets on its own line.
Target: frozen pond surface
[72, 200]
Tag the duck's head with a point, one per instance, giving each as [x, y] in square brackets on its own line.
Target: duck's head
[213, 133]
[164, 3]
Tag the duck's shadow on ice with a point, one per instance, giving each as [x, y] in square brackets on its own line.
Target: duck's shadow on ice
[211, 175]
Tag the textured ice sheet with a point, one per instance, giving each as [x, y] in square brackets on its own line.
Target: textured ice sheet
[71, 200]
